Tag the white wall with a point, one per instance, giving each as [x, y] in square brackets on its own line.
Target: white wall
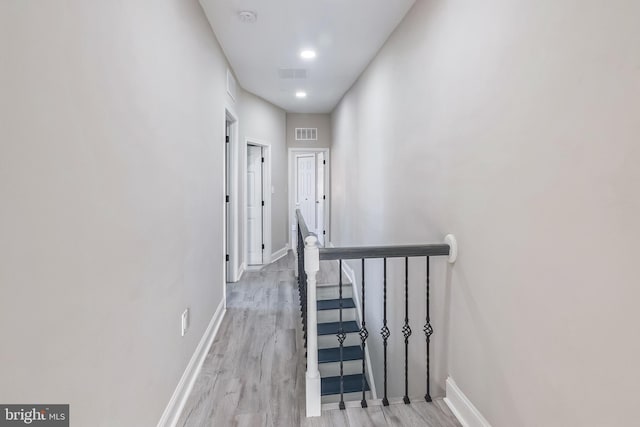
[514, 125]
[320, 121]
[111, 189]
[262, 121]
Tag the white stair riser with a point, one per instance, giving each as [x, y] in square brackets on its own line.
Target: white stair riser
[333, 292]
[348, 397]
[331, 341]
[333, 369]
[326, 316]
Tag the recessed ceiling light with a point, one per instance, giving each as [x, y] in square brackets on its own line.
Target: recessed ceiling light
[301, 94]
[308, 54]
[248, 16]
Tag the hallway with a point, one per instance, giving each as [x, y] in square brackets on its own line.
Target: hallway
[254, 372]
[151, 153]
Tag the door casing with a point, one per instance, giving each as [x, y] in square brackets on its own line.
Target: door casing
[266, 195]
[255, 205]
[232, 268]
[306, 172]
[292, 187]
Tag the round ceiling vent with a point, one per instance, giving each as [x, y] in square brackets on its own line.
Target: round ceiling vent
[247, 16]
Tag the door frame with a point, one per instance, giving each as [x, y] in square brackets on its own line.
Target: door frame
[313, 158]
[231, 269]
[292, 187]
[266, 196]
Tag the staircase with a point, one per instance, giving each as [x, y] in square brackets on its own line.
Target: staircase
[335, 331]
[328, 306]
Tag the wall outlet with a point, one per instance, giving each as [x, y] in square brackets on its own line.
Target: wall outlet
[185, 321]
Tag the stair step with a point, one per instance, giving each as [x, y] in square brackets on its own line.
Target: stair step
[328, 316]
[345, 284]
[334, 304]
[328, 355]
[352, 383]
[332, 328]
[332, 369]
[331, 341]
[332, 291]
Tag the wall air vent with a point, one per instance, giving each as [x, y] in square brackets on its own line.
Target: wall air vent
[292, 73]
[306, 134]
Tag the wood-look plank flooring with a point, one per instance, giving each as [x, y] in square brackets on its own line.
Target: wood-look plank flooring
[254, 372]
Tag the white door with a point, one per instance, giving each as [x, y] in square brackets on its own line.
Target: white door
[254, 204]
[320, 198]
[306, 189]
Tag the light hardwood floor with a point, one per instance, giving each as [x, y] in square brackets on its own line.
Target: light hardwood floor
[254, 372]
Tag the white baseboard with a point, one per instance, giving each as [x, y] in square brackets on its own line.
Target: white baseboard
[280, 253]
[179, 399]
[241, 270]
[462, 408]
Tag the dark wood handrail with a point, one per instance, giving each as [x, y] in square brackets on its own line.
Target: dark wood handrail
[388, 251]
[400, 251]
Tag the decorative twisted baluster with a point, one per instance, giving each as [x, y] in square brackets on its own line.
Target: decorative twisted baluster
[364, 334]
[428, 331]
[406, 331]
[385, 334]
[341, 337]
[302, 286]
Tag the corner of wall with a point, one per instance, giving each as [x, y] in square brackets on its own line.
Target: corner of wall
[462, 408]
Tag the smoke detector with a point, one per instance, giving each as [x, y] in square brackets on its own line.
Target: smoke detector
[247, 16]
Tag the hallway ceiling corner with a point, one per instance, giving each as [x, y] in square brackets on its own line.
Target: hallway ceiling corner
[265, 53]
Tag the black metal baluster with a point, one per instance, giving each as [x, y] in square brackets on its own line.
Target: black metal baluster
[299, 252]
[385, 334]
[300, 256]
[304, 299]
[363, 336]
[341, 337]
[302, 287]
[406, 331]
[428, 331]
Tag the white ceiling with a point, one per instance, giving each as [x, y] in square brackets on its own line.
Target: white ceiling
[346, 35]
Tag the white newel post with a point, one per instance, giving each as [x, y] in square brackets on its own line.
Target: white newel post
[311, 267]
